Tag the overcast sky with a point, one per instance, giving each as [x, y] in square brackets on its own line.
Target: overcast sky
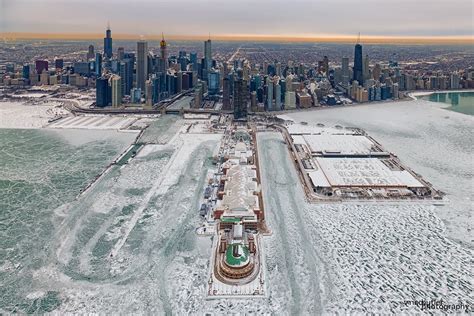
[255, 17]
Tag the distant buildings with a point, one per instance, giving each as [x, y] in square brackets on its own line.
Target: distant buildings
[239, 85]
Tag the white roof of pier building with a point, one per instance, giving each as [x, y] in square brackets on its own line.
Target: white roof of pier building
[239, 199]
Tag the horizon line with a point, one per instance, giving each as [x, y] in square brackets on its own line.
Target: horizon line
[371, 39]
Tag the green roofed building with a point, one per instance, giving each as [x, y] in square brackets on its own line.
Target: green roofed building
[237, 255]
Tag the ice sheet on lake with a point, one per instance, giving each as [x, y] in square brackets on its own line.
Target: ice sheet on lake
[432, 141]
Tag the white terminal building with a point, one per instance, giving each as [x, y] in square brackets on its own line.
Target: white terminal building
[347, 163]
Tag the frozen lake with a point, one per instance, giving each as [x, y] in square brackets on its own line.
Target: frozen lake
[128, 244]
[434, 142]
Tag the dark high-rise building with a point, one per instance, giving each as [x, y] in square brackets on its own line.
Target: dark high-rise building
[194, 61]
[326, 64]
[213, 83]
[103, 92]
[98, 64]
[208, 55]
[108, 43]
[59, 63]
[240, 98]
[126, 72]
[26, 71]
[156, 86]
[90, 52]
[120, 53]
[226, 93]
[185, 81]
[142, 64]
[358, 73]
[41, 65]
[10, 67]
[82, 68]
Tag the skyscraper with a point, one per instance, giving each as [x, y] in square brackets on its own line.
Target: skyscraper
[102, 92]
[163, 48]
[226, 93]
[240, 98]
[90, 52]
[213, 83]
[41, 65]
[277, 92]
[115, 83]
[358, 66]
[366, 69]
[269, 94]
[120, 53]
[98, 64]
[59, 63]
[26, 71]
[142, 64]
[326, 64]
[345, 70]
[208, 54]
[108, 43]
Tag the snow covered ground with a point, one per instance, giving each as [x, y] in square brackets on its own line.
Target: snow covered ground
[27, 115]
[355, 258]
[432, 141]
[94, 122]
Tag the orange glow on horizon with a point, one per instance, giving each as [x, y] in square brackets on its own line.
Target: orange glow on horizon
[254, 37]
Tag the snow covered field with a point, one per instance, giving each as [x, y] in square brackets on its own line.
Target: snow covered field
[94, 122]
[19, 115]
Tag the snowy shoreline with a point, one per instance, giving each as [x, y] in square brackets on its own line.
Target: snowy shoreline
[416, 94]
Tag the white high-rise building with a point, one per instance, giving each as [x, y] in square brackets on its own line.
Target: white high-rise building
[115, 83]
[290, 100]
[345, 70]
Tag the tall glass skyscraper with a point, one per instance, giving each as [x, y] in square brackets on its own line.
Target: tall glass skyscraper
[108, 43]
[358, 65]
[208, 54]
[142, 64]
[98, 64]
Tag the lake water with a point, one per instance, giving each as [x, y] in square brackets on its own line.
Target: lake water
[462, 102]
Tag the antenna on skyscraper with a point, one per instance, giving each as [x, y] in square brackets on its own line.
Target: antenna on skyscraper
[108, 25]
[162, 36]
[358, 39]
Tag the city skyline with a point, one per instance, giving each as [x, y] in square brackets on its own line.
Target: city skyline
[276, 20]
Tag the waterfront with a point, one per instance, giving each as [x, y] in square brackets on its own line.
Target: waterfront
[462, 102]
[131, 234]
